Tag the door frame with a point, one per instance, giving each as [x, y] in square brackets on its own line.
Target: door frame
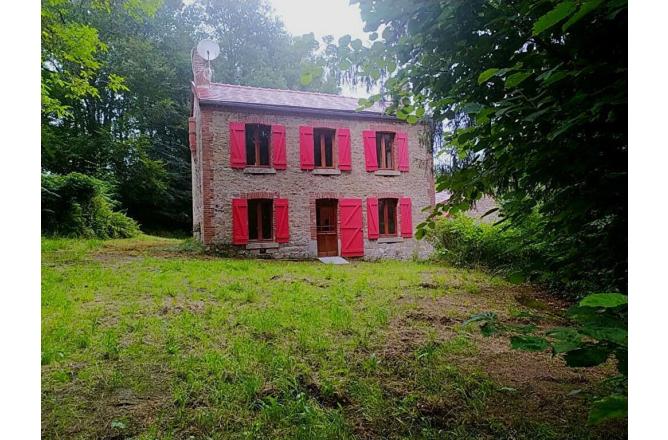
[318, 205]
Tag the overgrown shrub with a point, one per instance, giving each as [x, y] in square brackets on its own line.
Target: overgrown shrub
[77, 205]
[463, 241]
[522, 252]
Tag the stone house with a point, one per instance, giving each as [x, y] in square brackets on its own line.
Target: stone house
[291, 174]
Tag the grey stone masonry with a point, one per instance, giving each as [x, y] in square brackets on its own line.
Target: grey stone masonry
[215, 183]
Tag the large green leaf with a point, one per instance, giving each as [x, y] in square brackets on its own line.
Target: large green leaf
[611, 407]
[585, 9]
[616, 335]
[528, 343]
[487, 74]
[516, 78]
[556, 15]
[588, 356]
[604, 300]
[565, 339]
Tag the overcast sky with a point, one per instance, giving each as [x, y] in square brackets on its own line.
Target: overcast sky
[323, 17]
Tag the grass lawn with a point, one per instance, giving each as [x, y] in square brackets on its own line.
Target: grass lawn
[146, 338]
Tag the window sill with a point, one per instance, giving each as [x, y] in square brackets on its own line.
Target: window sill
[259, 170]
[390, 239]
[387, 173]
[326, 172]
[262, 245]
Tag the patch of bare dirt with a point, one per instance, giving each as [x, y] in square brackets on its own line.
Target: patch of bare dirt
[291, 279]
[531, 383]
[121, 251]
[130, 412]
[179, 304]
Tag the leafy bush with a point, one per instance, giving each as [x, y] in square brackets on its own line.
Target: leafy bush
[523, 251]
[77, 205]
[463, 241]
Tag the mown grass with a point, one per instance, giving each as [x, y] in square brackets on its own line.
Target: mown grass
[149, 338]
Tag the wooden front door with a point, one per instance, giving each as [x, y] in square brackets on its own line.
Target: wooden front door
[328, 243]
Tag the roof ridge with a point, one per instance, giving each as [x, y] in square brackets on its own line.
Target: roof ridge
[303, 92]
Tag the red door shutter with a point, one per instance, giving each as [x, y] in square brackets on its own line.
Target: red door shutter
[282, 221]
[306, 147]
[237, 144]
[402, 150]
[278, 147]
[371, 159]
[239, 221]
[406, 217]
[352, 241]
[372, 217]
[343, 138]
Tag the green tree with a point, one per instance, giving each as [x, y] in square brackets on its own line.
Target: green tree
[544, 84]
[117, 107]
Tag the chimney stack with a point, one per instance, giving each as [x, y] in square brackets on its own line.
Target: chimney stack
[202, 73]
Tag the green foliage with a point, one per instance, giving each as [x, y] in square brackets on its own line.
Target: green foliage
[544, 112]
[76, 205]
[514, 251]
[599, 332]
[528, 343]
[71, 50]
[116, 89]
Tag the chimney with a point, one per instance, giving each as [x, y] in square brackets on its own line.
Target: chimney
[202, 73]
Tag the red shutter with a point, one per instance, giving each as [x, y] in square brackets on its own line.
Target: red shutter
[237, 144]
[372, 218]
[278, 147]
[239, 221]
[369, 137]
[352, 240]
[282, 222]
[406, 217]
[306, 147]
[402, 150]
[343, 138]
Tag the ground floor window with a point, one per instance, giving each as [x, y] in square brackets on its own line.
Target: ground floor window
[260, 219]
[387, 217]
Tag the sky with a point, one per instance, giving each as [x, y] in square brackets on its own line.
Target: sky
[323, 17]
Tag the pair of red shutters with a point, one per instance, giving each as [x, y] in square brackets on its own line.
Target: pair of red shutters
[307, 162]
[240, 221]
[350, 212]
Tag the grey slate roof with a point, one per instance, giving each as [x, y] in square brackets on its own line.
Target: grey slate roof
[218, 93]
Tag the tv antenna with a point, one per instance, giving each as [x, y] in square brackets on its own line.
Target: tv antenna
[208, 50]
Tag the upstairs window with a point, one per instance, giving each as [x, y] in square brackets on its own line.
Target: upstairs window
[387, 217]
[385, 150]
[260, 219]
[323, 147]
[257, 145]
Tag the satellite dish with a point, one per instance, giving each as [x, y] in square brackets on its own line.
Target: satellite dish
[208, 49]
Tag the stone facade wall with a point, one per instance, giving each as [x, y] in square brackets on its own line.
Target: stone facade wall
[220, 183]
[196, 155]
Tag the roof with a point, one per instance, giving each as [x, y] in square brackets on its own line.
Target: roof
[229, 94]
[480, 208]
